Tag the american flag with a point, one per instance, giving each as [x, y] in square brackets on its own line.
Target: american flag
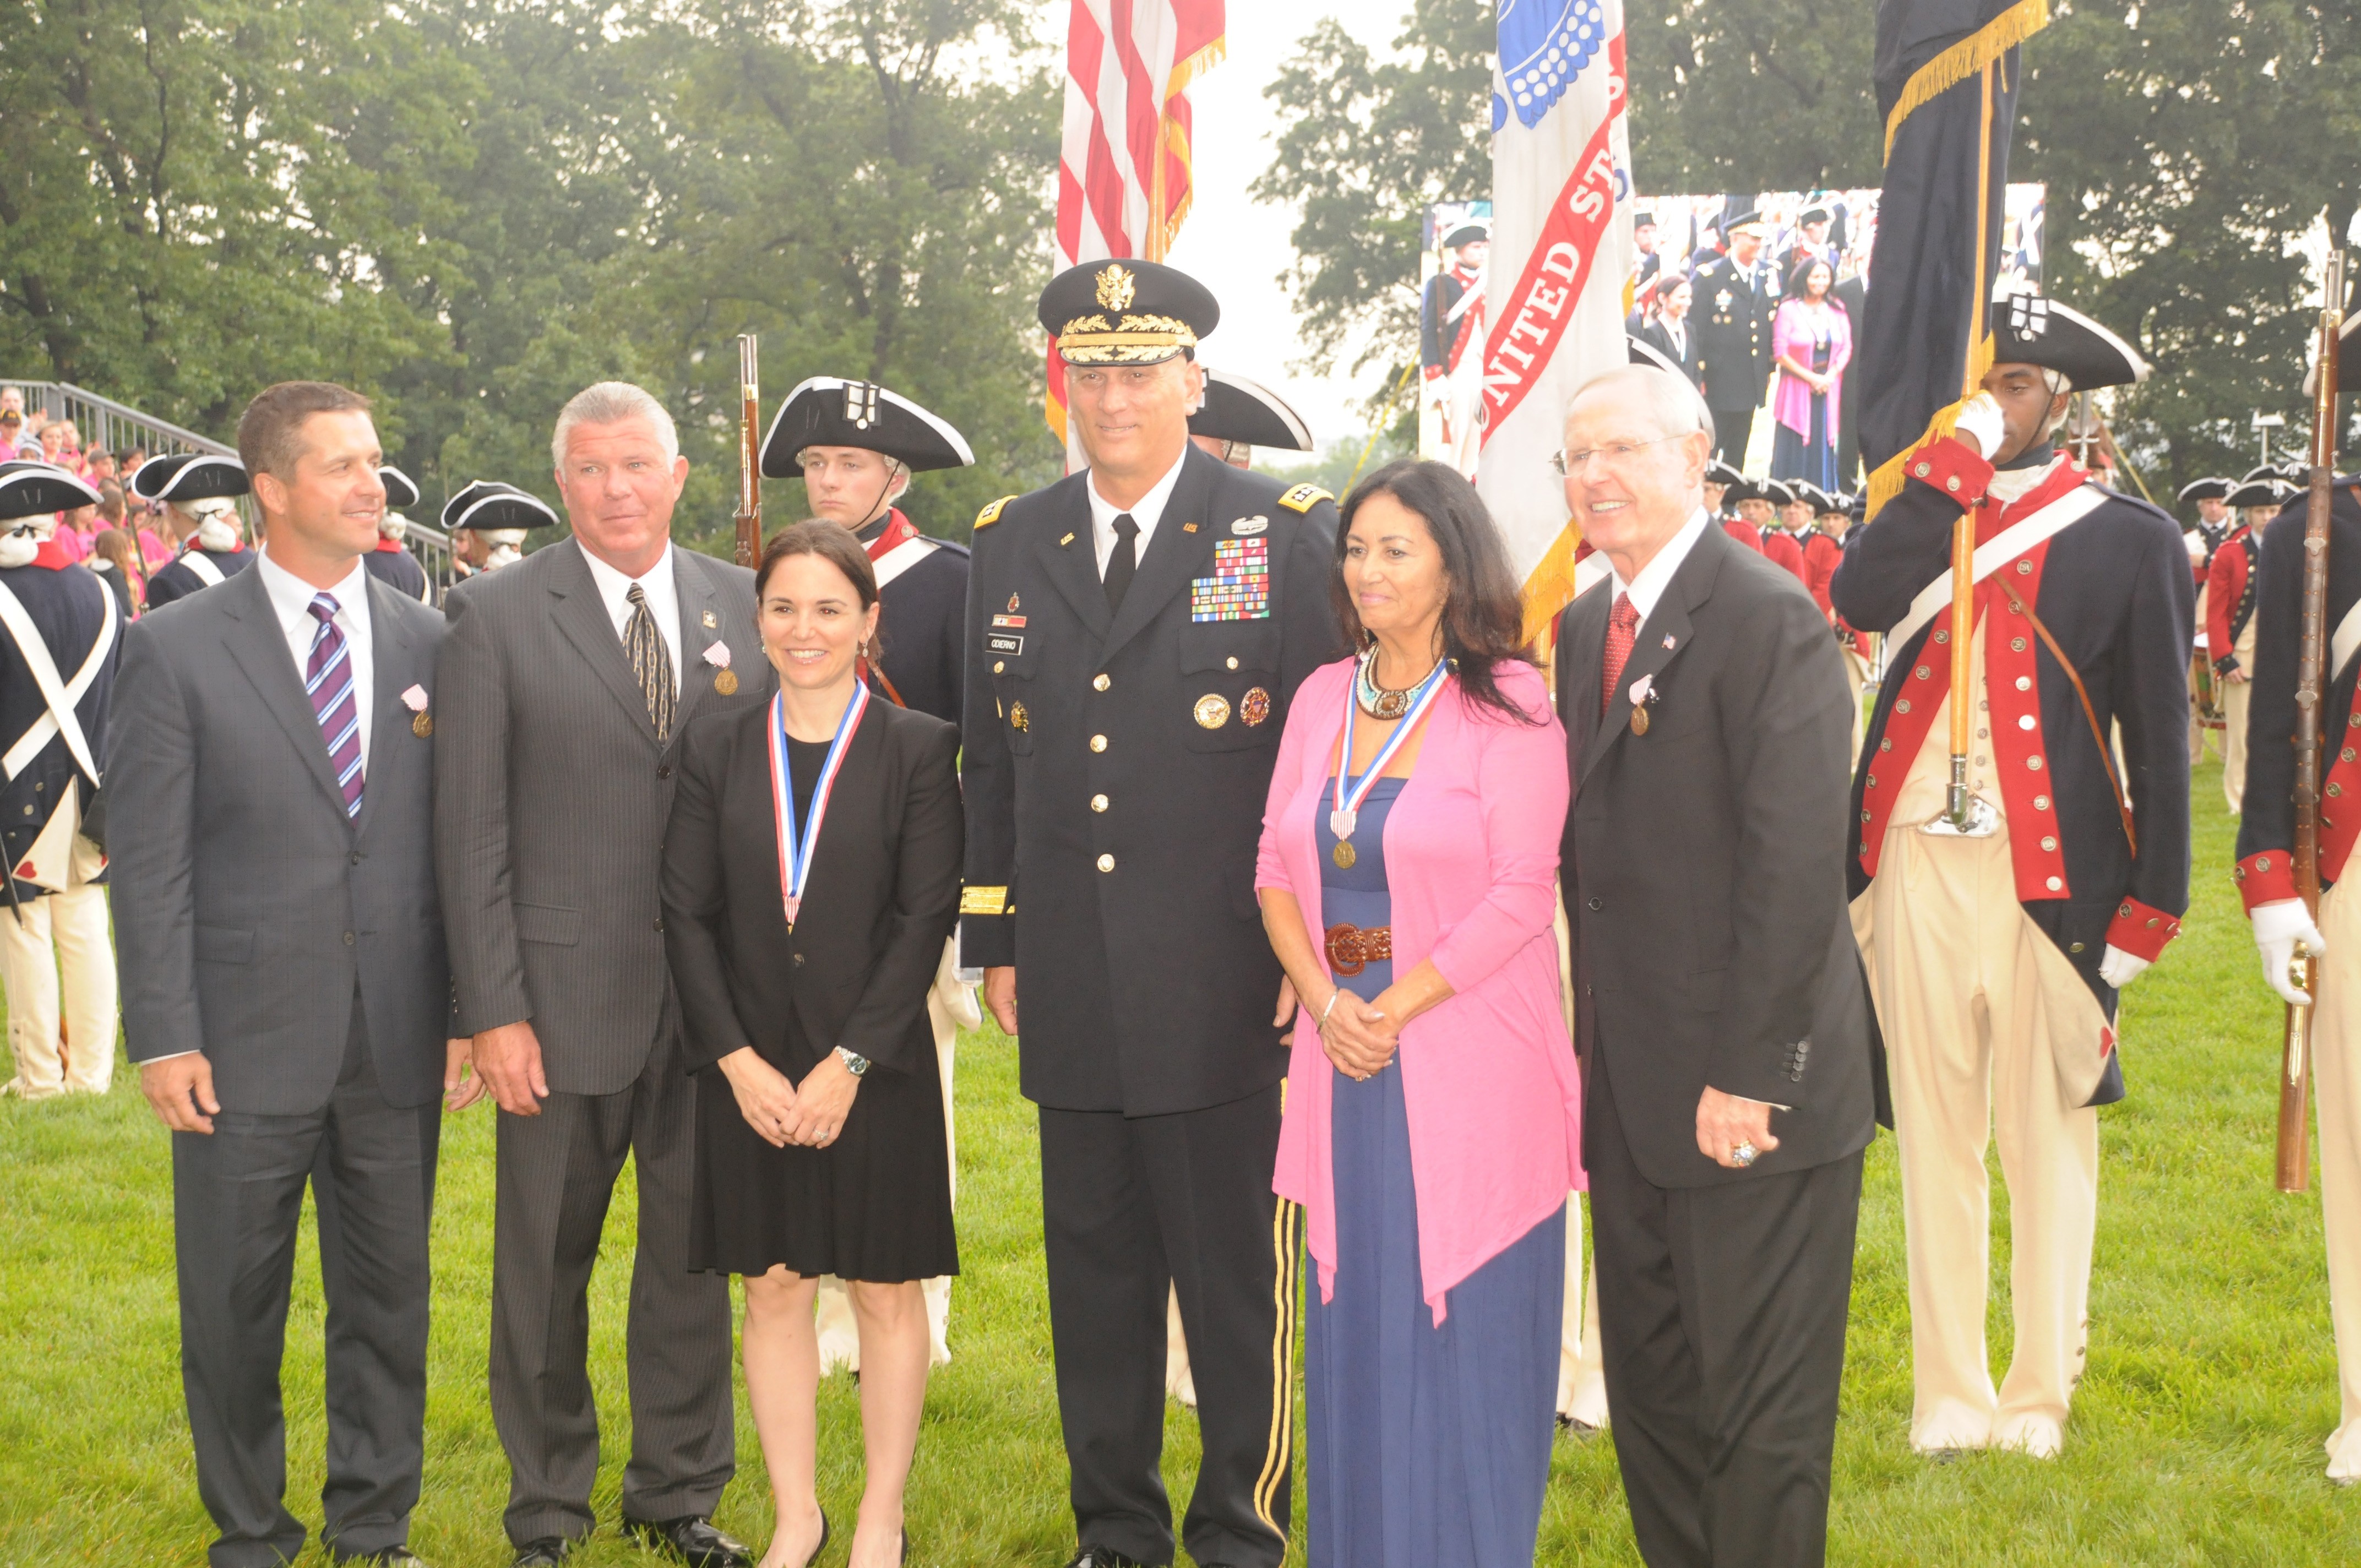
[1124, 164]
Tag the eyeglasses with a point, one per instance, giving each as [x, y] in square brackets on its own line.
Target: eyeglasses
[1565, 464]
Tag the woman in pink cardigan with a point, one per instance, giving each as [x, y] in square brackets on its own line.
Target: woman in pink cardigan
[1433, 1125]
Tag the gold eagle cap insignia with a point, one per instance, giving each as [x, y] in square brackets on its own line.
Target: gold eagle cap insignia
[1116, 286]
[1304, 497]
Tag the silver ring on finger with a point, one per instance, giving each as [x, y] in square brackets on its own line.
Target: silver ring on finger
[1744, 1153]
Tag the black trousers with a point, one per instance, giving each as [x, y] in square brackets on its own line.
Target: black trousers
[556, 1176]
[237, 1196]
[1722, 1318]
[1134, 1207]
[1733, 429]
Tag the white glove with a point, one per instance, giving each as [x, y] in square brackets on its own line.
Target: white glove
[2118, 967]
[2278, 927]
[1981, 425]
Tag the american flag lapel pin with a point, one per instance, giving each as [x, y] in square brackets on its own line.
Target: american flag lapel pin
[1668, 640]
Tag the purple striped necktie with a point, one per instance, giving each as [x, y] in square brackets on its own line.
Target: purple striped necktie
[329, 680]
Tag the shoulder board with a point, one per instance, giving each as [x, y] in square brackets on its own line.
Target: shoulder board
[1304, 497]
[990, 514]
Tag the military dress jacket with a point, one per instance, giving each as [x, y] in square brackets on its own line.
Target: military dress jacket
[2230, 584]
[2266, 872]
[1115, 769]
[921, 633]
[1732, 322]
[2114, 590]
[68, 607]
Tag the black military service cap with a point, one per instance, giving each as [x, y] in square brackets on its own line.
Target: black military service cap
[2348, 377]
[31, 489]
[2033, 329]
[1643, 217]
[1747, 219]
[1718, 472]
[487, 506]
[1239, 410]
[189, 476]
[1466, 233]
[1126, 313]
[2272, 491]
[2204, 490]
[401, 490]
[829, 411]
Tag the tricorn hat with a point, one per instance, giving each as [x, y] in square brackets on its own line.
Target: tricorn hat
[401, 490]
[1718, 472]
[2273, 491]
[2033, 329]
[1778, 492]
[1742, 489]
[32, 489]
[1126, 313]
[1239, 410]
[1468, 234]
[2348, 377]
[487, 506]
[189, 476]
[829, 411]
[2205, 489]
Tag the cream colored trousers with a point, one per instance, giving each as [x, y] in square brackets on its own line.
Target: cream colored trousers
[2234, 697]
[2336, 1089]
[59, 966]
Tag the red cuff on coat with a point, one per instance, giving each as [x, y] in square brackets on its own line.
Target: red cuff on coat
[1952, 465]
[2141, 929]
[2267, 876]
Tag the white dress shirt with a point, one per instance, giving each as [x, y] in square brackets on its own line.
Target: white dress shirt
[1649, 586]
[1146, 512]
[1679, 334]
[664, 602]
[291, 600]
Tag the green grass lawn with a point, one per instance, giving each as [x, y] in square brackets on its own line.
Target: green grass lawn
[2195, 1439]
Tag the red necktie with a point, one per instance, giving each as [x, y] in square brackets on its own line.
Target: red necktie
[1622, 628]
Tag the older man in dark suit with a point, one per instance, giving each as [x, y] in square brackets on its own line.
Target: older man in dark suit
[1725, 1025]
[270, 769]
[570, 677]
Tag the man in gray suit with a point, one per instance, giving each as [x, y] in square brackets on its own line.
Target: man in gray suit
[569, 679]
[271, 782]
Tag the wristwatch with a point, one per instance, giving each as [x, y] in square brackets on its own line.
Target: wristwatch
[854, 1062]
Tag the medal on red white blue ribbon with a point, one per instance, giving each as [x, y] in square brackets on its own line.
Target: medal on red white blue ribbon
[1345, 805]
[796, 847]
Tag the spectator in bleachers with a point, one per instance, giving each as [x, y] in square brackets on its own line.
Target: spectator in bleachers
[110, 557]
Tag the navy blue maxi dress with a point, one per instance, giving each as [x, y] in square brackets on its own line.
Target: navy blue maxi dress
[1429, 1446]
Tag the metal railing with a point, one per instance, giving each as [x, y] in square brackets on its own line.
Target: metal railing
[105, 424]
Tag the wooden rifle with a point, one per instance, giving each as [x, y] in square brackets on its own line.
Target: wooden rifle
[2311, 691]
[750, 454]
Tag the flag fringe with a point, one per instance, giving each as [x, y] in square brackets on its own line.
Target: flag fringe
[1196, 65]
[1886, 481]
[1550, 587]
[1965, 58]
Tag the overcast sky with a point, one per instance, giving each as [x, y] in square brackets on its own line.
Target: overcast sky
[1237, 246]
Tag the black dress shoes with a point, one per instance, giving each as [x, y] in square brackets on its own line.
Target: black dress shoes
[546, 1552]
[1102, 1557]
[691, 1539]
[390, 1557]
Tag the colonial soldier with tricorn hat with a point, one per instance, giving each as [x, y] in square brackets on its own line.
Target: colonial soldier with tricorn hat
[2265, 871]
[391, 562]
[1999, 934]
[199, 491]
[1137, 629]
[2230, 585]
[855, 445]
[487, 523]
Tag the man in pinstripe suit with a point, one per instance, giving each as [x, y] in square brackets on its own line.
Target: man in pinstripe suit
[568, 680]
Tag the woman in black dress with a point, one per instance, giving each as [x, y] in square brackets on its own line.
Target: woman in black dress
[811, 873]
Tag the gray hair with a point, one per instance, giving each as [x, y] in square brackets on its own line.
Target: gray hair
[1673, 402]
[610, 402]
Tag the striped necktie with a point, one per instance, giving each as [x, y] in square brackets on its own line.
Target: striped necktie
[328, 678]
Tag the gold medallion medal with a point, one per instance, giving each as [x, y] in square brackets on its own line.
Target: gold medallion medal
[1018, 718]
[422, 725]
[726, 681]
[1213, 710]
[1640, 720]
[1255, 707]
[1344, 854]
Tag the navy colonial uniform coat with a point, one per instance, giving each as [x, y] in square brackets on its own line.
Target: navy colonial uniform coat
[2113, 588]
[72, 610]
[177, 579]
[1115, 770]
[921, 630]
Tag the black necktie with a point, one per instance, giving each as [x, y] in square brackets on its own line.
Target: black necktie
[1123, 564]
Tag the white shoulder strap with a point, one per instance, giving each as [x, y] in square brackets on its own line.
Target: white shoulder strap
[61, 696]
[1997, 552]
[901, 558]
[2344, 641]
[198, 562]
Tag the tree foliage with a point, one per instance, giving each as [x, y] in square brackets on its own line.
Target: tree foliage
[2188, 151]
[473, 208]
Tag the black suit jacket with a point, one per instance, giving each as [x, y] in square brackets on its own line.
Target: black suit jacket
[1703, 868]
[1659, 337]
[882, 896]
[1146, 987]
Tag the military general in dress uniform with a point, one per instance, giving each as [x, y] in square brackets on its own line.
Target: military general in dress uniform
[61, 637]
[1735, 296]
[1996, 951]
[1139, 630]
[2265, 875]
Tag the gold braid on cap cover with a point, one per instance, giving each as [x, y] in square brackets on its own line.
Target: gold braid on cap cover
[1088, 340]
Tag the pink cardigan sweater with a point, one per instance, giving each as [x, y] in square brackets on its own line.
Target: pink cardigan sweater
[1488, 1077]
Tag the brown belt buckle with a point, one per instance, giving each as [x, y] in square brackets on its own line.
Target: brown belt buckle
[1352, 948]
